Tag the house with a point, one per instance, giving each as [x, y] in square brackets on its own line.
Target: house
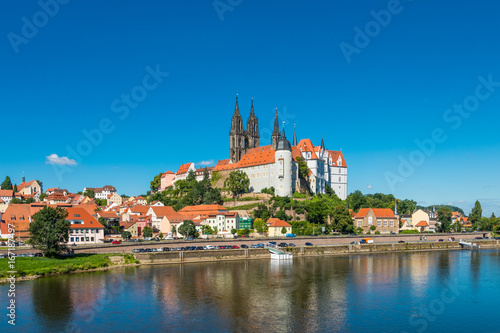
[422, 226]
[130, 226]
[20, 216]
[183, 171]
[134, 210]
[101, 192]
[3, 206]
[141, 201]
[200, 173]
[141, 221]
[6, 195]
[275, 227]
[56, 190]
[223, 221]
[28, 189]
[112, 220]
[167, 180]
[163, 217]
[84, 228]
[380, 219]
[114, 198]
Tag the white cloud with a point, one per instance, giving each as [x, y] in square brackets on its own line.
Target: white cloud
[63, 160]
[206, 163]
[369, 187]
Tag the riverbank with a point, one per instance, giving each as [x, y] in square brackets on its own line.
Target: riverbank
[33, 268]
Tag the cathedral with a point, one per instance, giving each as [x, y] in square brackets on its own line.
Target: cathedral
[242, 140]
[275, 165]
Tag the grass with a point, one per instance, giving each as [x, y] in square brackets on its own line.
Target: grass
[244, 207]
[44, 266]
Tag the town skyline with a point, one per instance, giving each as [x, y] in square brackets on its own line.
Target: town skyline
[404, 96]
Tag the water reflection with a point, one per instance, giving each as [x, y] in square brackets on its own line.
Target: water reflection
[315, 294]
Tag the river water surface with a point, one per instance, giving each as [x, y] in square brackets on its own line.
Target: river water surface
[440, 291]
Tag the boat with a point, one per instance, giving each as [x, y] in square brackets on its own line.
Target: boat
[469, 245]
[280, 254]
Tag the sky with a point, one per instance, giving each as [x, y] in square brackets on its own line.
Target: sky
[100, 93]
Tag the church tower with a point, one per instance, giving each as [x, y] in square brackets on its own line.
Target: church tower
[252, 132]
[276, 133]
[236, 135]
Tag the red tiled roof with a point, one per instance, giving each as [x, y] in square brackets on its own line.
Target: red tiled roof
[378, 212]
[107, 215]
[224, 165]
[6, 193]
[140, 209]
[183, 168]
[81, 214]
[257, 158]
[274, 222]
[334, 155]
[203, 208]
[167, 173]
[307, 146]
[422, 224]
[169, 212]
[23, 185]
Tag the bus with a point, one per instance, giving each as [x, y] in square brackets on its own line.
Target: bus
[366, 241]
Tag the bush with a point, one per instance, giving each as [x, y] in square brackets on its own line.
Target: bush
[377, 232]
[409, 232]
[299, 195]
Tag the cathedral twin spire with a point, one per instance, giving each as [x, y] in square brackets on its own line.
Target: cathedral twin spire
[240, 139]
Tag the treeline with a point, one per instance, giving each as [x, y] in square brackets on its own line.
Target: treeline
[188, 192]
[359, 200]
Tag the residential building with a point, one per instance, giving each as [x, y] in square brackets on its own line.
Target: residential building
[383, 219]
[101, 192]
[6, 195]
[184, 170]
[275, 227]
[84, 228]
[30, 189]
[20, 216]
[114, 198]
[112, 220]
[167, 180]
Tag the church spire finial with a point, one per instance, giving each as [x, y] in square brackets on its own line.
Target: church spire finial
[284, 130]
[276, 123]
[251, 109]
[294, 136]
[236, 107]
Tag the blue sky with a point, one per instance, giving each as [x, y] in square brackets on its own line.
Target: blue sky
[69, 74]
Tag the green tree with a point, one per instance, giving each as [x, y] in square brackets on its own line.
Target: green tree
[316, 211]
[329, 191]
[476, 214]
[104, 223]
[359, 230]
[89, 193]
[160, 236]
[49, 230]
[216, 231]
[283, 230]
[174, 230]
[238, 183]
[43, 196]
[303, 169]
[373, 227]
[260, 226]
[341, 219]
[126, 235]
[356, 200]
[233, 231]
[187, 228]
[262, 212]
[101, 202]
[147, 232]
[206, 230]
[15, 201]
[444, 218]
[7, 185]
[156, 182]
[15, 188]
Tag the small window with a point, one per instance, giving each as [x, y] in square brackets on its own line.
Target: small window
[86, 239]
[77, 215]
[71, 239]
[92, 239]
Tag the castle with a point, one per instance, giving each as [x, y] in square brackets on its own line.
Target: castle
[274, 165]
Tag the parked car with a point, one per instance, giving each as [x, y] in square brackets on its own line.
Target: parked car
[271, 244]
[200, 248]
[282, 245]
[290, 235]
[24, 255]
[2, 256]
[479, 237]
[38, 254]
[3, 244]
[401, 241]
[31, 255]
[354, 242]
[308, 244]
[291, 245]
[236, 247]
[244, 246]
[210, 247]
[254, 246]
[136, 250]
[440, 240]
[260, 245]
[189, 238]
[116, 242]
[21, 244]
[314, 235]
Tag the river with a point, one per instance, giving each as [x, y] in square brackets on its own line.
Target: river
[435, 291]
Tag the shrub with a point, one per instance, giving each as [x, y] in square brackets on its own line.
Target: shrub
[299, 195]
